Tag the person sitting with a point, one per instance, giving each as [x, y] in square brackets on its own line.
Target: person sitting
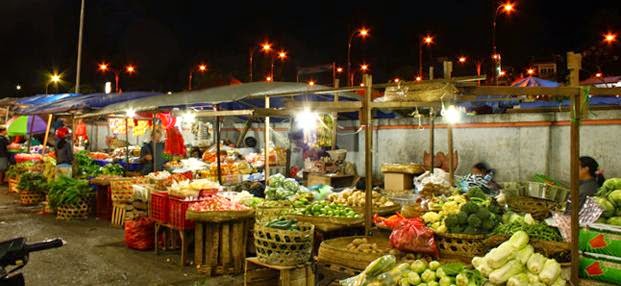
[482, 176]
[591, 178]
[64, 152]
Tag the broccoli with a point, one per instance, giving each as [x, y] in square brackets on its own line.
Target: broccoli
[470, 230]
[474, 221]
[494, 207]
[451, 220]
[456, 229]
[470, 208]
[476, 192]
[462, 218]
[488, 224]
[483, 213]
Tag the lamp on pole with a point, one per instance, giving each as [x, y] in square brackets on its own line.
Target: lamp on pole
[424, 40]
[506, 8]
[362, 33]
[105, 67]
[282, 56]
[266, 47]
[55, 79]
[202, 68]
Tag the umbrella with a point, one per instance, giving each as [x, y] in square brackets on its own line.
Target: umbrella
[26, 124]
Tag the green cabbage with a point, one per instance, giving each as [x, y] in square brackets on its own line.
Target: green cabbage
[502, 274]
[615, 197]
[499, 256]
[609, 186]
[550, 272]
[524, 254]
[615, 220]
[519, 239]
[609, 208]
[519, 280]
[535, 263]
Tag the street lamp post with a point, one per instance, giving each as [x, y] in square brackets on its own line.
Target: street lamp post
[104, 67]
[282, 55]
[425, 40]
[266, 47]
[201, 68]
[55, 79]
[507, 8]
[363, 33]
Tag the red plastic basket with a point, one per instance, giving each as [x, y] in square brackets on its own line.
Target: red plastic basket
[177, 208]
[159, 207]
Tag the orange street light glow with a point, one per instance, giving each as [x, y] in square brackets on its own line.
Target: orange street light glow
[364, 32]
[530, 71]
[428, 40]
[103, 67]
[266, 47]
[508, 7]
[362, 84]
[202, 67]
[339, 70]
[282, 55]
[396, 80]
[599, 74]
[462, 59]
[502, 73]
[609, 38]
[268, 78]
[311, 82]
[55, 78]
[364, 67]
[419, 78]
[130, 69]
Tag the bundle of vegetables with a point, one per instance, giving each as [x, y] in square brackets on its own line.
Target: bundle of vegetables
[111, 170]
[512, 223]
[281, 188]
[443, 207]
[356, 198]
[477, 216]
[33, 182]
[98, 156]
[515, 263]
[284, 224]
[326, 209]
[49, 168]
[301, 199]
[609, 198]
[14, 171]
[66, 191]
[87, 168]
[216, 203]
[386, 271]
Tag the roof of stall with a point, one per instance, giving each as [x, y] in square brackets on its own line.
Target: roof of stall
[87, 101]
[44, 98]
[245, 95]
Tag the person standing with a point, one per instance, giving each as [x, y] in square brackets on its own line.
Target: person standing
[64, 152]
[4, 153]
[147, 152]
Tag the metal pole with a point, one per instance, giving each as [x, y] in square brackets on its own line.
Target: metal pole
[349, 77]
[267, 141]
[153, 144]
[449, 133]
[30, 129]
[79, 61]
[218, 160]
[251, 64]
[431, 137]
[190, 81]
[116, 82]
[420, 58]
[335, 116]
[368, 155]
[47, 132]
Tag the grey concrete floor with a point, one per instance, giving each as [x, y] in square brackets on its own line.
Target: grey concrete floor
[94, 253]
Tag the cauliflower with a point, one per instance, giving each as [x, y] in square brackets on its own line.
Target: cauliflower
[431, 217]
[450, 207]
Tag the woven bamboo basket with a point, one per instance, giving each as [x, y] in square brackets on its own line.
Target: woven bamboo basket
[558, 250]
[586, 282]
[326, 224]
[460, 245]
[265, 214]
[219, 216]
[122, 190]
[28, 198]
[13, 182]
[381, 210]
[77, 211]
[284, 247]
[335, 251]
[538, 208]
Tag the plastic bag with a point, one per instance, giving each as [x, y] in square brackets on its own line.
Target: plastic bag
[139, 234]
[412, 235]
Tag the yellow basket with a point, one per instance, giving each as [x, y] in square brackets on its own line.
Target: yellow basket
[122, 190]
[284, 247]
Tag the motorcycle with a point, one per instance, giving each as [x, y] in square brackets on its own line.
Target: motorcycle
[14, 253]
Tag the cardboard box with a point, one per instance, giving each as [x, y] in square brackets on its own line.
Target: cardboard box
[398, 181]
[336, 181]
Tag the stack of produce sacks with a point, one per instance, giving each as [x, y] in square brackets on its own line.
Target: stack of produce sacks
[515, 263]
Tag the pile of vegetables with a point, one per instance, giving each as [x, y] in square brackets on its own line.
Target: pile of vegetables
[609, 198]
[111, 170]
[362, 245]
[49, 168]
[440, 208]
[386, 271]
[14, 171]
[515, 263]
[474, 217]
[512, 223]
[216, 203]
[356, 198]
[33, 182]
[284, 224]
[86, 167]
[66, 191]
[326, 209]
[281, 188]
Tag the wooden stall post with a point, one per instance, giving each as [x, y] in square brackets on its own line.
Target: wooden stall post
[335, 115]
[432, 131]
[127, 140]
[574, 65]
[448, 69]
[153, 144]
[368, 155]
[47, 132]
[218, 161]
[29, 131]
[266, 168]
[243, 133]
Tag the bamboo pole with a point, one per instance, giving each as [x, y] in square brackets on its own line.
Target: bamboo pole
[431, 138]
[29, 131]
[266, 167]
[574, 65]
[335, 115]
[449, 134]
[218, 160]
[47, 132]
[153, 144]
[243, 133]
[368, 155]
[127, 141]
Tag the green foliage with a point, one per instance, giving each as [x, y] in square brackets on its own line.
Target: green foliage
[87, 168]
[18, 169]
[68, 191]
[112, 169]
[476, 192]
[33, 182]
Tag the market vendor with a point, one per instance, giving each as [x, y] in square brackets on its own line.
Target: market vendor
[482, 176]
[4, 153]
[64, 152]
[591, 178]
[146, 153]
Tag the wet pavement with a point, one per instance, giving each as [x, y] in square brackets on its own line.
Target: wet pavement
[94, 253]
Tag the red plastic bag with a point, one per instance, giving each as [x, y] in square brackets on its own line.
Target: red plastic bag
[414, 236]
[139, 233]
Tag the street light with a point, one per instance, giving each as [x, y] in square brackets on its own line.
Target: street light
[202, 68]
[462, 59]
[339, 70]
[105, 67]
[266, 47]
[425, 40]
[54, 78]
[282, 55]
[362, 33]
[530, 71]
[130, 69]
[18, 87]
[506, 8]
[610, 38]
[364, 68]
[268, 78]
[311, 82]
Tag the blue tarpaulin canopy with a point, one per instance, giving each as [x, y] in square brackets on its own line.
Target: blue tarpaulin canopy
[44, 98]
[88, 101]
[532, 81]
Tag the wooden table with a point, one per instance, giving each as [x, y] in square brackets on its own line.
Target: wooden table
[258, 273]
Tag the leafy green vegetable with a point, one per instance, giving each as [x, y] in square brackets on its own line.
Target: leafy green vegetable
[15, 171]
[539, 231]
[68, 191]
[615, 220]
[86, 167]
[112, 169]
[452, 269]
[609, 186]
[476, 192]
[33, 182]
[615, 197]
[609, 208]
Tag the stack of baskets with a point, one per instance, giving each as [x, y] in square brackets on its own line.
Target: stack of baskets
[463, 246]
[28, 198]
[284, 247]
[77, 211]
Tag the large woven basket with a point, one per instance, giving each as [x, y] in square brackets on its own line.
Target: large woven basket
[326, 224]
[558, 250]
[28, 198]
[460, 245]
[381, 210]
[121, 188]
[284, 247]
[68, 212]
[265, 214]
[219, 216]
[538, 208]
[13, 182]
[335, 251]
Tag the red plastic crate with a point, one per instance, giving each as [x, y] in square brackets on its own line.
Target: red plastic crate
[177, 208]
[159, 207]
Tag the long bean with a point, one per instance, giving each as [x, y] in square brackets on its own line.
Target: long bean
[535, 231]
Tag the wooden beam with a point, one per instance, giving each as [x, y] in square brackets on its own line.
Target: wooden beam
[335, 115]
[47, 133]
[323, 105]
[605, 91]
[242, 134]
[432, 131]
[574, 63]
[403, 104]
[223, 113]
[368, 155]
[266, 168]
[509, 91]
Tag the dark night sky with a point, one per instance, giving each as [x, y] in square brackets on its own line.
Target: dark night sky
[165, 38]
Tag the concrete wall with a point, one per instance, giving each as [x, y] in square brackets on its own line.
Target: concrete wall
[516, 145]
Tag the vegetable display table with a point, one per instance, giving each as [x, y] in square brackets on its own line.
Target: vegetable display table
[170, 240]
[220, 248]
[331, 273]
[259, 273]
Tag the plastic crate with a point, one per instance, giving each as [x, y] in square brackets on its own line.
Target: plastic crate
[159, 210]
[176, 216]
